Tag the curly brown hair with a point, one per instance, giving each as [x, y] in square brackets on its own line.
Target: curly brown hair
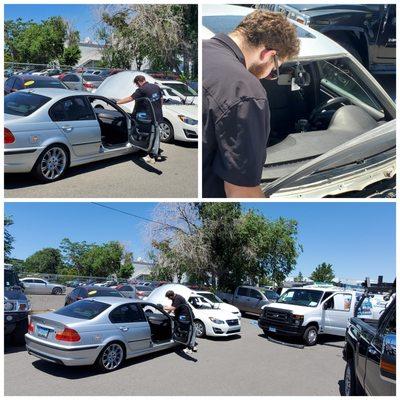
[272, 30]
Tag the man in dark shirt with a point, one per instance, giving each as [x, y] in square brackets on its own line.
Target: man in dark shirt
[183, 315]
[147, 96]
[236, 117]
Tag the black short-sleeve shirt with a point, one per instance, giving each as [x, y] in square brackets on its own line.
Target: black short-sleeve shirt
[154, 94]
[236, 119]
[180, 305]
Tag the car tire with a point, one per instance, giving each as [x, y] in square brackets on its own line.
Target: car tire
[166, 132]
[113, 352]
[58, 152]
[310, 335]
[18, 336]
[351, 384]
[200, 328]
[56, 291]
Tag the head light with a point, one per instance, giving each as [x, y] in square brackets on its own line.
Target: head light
[187, 120]
[216, 321]
[8, 306]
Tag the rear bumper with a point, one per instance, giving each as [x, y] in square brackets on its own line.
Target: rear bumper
[20, 159]
[281, 329]
[66, 355]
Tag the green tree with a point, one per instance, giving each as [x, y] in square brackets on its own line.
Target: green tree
[45, 261]
[299, 277]
[323, 273]
[73, 253]
[8, 238]
[71, 55]
[127, 268]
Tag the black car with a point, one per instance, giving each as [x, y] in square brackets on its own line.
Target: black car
[368, 31]
[19, 82]
[16, 308]
[83, 292]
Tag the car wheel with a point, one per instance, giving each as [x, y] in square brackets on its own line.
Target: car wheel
[18, 336]
[52, 163]
[111, 357]
[310, 336]
[200, 328]
[351, 387]
[57, 291]
[166, 132]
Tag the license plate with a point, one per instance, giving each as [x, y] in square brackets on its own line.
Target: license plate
[42, 332]
[272, 329]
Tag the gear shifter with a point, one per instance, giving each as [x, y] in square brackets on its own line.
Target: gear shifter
[302, 125]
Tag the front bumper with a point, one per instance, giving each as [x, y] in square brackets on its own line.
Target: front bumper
[281, 329]
[20, 159]
[224, 330]
[186, 133]
[61, 354]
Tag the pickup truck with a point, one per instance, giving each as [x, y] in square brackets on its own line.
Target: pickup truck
[370, 355]
[249, 299]
[307, 312]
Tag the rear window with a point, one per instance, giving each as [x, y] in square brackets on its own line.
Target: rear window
[44, 83]
[104, 293]
[23, 104]
[92, 78]
[83, 309]
[143, 288]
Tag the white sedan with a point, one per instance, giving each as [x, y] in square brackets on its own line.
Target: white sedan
[180, 120]
[218, 303]
[209, 321]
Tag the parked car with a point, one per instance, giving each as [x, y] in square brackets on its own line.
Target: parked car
[309, 312]
[250, 299]
[88, 82]
[209, 321]
[42, 286]
[367, 31]
[46, 131]
[104, 331]
[142, 291]
[185, 92]
[127, 291]
[180, 121]
[16, 307]
[370, 355]
[333, 126]
[20, 82]
[217, 303]
[83, 292]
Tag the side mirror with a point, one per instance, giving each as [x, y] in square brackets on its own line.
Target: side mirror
[387, 364]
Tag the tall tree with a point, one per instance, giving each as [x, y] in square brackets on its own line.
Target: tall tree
[73, 253]
[323, 273]
[299, 277]
[8, 238]
[45, 261]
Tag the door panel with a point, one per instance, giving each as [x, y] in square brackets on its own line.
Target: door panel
[337, 315]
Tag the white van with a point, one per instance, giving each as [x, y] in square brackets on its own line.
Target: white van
[309, 312]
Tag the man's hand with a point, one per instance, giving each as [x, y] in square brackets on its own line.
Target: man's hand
[242, 191]
[124, 100]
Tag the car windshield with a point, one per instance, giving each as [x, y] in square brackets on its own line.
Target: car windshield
[212, 297]
[301, 297]
[23, 104]
[271, 295]
[9, 279]
[183, 89]
[96, 292]
[83, 309]
[342, 77]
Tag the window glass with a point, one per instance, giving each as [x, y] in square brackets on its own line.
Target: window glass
[39, 281]
[23, 104]
[127, 313]
[301, 297]
[70, 78]
[19, 84]
[96, 292]
[10, 278]
[46, 83]
[71, 109]
[242, 291]
[340, 302]
[84, 309]
[254, 294]
[271, 295]
[126, 288]
[9, 83]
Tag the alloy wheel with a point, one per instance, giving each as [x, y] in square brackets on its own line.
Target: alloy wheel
[53, 163]
[112, 356]
[199, 328]
[312, 336]
[165, 131]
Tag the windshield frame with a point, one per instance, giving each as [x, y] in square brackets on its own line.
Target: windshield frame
[321, 292]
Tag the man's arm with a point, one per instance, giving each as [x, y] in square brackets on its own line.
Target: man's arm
[169, 309]
[125, 100]
[242, 191]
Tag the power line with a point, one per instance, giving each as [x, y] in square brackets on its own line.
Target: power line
[134, 215]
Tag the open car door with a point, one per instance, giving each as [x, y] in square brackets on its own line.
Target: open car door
[183, 328]
[142, 133]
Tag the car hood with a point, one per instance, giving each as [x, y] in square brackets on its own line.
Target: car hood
[214, 313]
[14, 295]
[291, 307]
[186, 110]
[226, 307]
[366, 145]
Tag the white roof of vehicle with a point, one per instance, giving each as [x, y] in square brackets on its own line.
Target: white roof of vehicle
[317, 46]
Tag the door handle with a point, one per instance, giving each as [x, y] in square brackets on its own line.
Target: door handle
[67, 128]
[123, 328]
[372, 351]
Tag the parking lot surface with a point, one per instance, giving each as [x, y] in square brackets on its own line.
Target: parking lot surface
[242, 365]
[126, 176]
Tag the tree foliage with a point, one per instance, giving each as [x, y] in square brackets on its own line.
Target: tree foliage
[299, 277]
[45, 261]
[323, 273]
[8, 238]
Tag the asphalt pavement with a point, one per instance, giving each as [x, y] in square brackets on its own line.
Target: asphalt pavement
[121, 177]
[248, 364]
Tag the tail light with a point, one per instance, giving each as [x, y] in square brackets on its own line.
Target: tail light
[31, 328]
[68, 335]
[88, 85]
[8, 136]
[139, 293]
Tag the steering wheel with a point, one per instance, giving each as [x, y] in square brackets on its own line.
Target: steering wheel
[329, 103]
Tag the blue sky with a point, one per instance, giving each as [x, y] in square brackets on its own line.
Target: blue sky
[80, 15]
[357, 238]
